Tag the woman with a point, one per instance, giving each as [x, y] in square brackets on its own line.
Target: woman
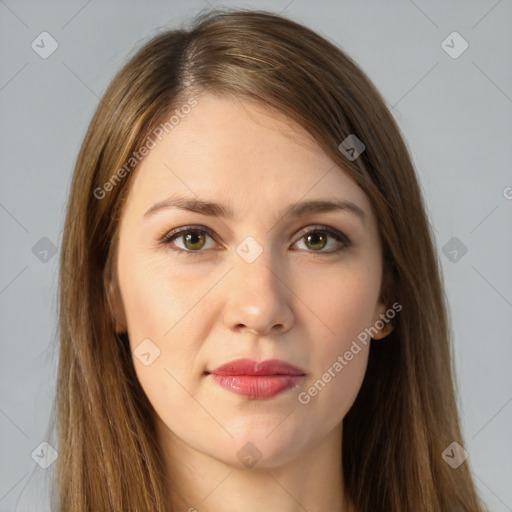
[251, 310]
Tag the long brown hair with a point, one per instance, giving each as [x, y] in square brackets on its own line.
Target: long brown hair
[405, 414]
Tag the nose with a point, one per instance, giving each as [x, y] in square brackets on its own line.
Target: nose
[258, 297]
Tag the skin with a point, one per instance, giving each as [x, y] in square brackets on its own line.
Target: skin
[292, 302]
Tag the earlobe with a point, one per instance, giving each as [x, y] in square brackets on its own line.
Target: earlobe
[383, 324]
[388, 327]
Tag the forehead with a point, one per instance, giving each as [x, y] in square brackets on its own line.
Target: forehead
[241, 153]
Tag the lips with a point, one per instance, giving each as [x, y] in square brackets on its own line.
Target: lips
[252, 367]
[257, 380]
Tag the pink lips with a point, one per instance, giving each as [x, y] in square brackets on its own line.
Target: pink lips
[255, 379]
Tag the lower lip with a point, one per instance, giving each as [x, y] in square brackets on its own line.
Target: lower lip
[257, 386]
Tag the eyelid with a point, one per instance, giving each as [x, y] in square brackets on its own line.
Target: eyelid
[176, 233]
[335, 233]
[339, 236]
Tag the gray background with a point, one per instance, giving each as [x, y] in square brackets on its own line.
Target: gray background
[454, 114]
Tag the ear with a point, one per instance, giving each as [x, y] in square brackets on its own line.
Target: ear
[382, 322]
[116, 307]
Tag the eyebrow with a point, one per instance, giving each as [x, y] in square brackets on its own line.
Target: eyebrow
[218, 210]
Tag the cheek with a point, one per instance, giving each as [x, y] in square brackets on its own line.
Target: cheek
[346, 307]
[158, 316]
[335, 380]
[159, 324]
[155, 301]
[165, 308]
[344, 304]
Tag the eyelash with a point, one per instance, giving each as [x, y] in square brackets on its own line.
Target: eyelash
[334, 233]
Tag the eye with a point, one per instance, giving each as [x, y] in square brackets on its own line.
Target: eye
[317, 239]
[194, 239]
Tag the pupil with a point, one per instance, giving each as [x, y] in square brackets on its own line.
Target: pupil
[316, 236]
[190, 237]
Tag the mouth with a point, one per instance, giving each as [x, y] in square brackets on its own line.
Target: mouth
[256, 380]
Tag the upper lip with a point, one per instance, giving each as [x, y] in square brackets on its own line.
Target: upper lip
[252, 367]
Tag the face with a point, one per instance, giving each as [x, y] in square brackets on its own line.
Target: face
[259, 284]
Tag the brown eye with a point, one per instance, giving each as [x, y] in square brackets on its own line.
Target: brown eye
[194, 240]
[191, 241]
[316, 241]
